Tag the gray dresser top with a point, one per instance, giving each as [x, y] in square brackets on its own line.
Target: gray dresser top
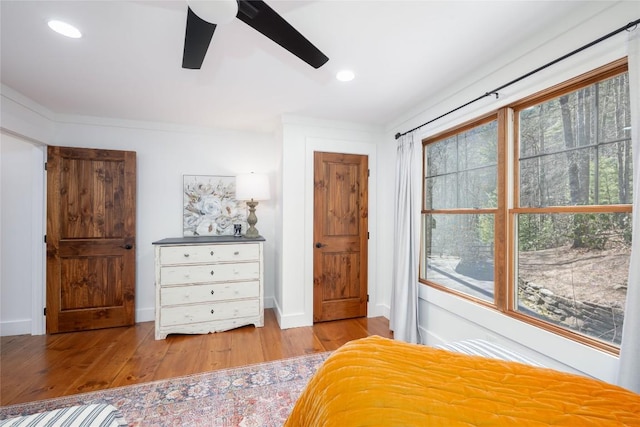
[206, 239]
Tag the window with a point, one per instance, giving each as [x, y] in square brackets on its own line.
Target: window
[460, 199]
[545, 238]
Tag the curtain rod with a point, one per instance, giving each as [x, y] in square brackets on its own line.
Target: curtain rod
[495, 91]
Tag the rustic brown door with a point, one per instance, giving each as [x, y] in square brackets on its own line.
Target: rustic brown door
[91, 206]
[340, 236]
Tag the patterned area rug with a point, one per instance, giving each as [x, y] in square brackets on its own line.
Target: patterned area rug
[254, 395]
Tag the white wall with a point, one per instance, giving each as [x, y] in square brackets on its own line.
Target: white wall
[164, 154]
[300, 138]
[21, 235]
[444, 317]
[24, 127]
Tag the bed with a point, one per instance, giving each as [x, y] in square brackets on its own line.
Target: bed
[377, 381]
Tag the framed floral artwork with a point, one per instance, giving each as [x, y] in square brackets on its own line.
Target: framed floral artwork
[210, 207]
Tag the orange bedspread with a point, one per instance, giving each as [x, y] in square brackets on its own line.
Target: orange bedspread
[380, 382]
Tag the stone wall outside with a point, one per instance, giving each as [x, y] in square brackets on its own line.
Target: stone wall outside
[595, 320]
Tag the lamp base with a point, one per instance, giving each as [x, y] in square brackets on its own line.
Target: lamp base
[252, 233]
[252, 219]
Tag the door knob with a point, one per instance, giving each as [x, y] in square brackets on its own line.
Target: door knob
[320, 245]
[128, 246]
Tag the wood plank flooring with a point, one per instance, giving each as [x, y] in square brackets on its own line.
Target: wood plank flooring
[47, 366]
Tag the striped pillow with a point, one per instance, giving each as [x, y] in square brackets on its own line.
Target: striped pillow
[486, 349]
[94, 415]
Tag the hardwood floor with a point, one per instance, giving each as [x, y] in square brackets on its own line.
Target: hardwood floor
[47, 366]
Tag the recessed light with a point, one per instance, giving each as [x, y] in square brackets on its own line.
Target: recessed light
[65, 29]
[345, 75]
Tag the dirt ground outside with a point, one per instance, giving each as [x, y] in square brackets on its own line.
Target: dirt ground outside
[598, 276]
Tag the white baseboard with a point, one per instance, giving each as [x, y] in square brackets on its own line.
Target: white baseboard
[380, 310]
[429, 338]
[294, 321]
[287, 321]
[297, 320]
[269, 302]
[15, 327]
[146, 314]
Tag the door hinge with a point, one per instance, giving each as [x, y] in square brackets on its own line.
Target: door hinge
[45, 311]
[367, 297]
[45, 165]
[45, 238]
[367, 235]
[368, 172]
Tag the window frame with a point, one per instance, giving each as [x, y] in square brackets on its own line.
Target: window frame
[507, 209]
[499, 292]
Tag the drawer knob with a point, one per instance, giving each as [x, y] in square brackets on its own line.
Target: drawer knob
[212, 311]
[186, 255]
[212, 292]
[212, 272]
[211, 253]
[236, 253]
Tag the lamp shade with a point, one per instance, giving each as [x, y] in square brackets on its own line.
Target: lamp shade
[252, 186]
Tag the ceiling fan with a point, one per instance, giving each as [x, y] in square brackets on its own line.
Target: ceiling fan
[203, 17]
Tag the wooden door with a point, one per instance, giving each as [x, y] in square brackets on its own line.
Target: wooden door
[91, 207]
[340, 236]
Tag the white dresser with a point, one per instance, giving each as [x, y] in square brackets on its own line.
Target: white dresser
[208, 284]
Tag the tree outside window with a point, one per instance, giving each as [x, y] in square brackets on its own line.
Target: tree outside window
[574, 234]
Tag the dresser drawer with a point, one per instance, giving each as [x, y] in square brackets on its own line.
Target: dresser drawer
[209, 253]
[189, 314]
[209, 273]
[174, 295]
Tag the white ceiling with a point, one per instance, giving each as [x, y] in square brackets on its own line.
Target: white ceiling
[128, 63]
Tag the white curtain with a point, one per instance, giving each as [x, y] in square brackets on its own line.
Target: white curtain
[404, 292]
[629, 368]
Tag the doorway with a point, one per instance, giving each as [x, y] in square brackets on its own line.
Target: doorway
[340, 257]
[91, 211]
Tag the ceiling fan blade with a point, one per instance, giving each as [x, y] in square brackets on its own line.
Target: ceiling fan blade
[197, 37]
[258, 15]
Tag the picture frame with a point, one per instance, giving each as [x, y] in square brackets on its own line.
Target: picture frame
[210, 207]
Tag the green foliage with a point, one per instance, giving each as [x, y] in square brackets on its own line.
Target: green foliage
[539, 232]
[608, 180]
[591, 231]
[486, 223]
[624, 223]
[586, 231]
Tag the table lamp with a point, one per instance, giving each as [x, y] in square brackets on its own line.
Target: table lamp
[252, 187]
